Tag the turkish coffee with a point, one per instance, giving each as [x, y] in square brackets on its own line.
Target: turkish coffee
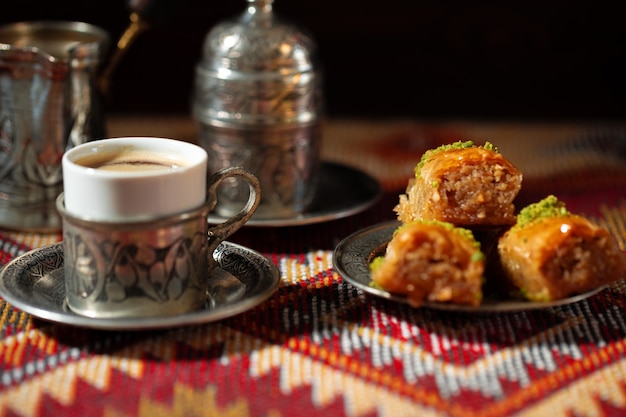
[130, 159]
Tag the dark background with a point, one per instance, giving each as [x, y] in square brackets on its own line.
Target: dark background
[392, 58]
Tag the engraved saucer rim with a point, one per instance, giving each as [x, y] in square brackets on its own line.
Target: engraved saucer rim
[229, 257]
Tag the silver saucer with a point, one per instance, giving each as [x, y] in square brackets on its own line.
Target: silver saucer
[343, 191]
[353, 255]
[33, 283]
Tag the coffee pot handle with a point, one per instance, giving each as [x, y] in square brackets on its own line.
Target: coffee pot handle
[144, 13]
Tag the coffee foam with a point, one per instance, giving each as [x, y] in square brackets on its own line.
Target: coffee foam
[130, 159]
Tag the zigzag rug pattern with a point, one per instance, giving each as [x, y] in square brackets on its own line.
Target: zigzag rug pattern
[320, 345]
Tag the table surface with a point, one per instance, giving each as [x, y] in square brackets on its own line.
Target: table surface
[318, 345]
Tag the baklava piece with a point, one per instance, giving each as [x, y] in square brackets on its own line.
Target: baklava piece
[431, 261]
[551, 254]
[463, 184]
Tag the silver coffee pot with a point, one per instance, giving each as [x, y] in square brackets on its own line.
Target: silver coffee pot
[48, 103]
[258, 102]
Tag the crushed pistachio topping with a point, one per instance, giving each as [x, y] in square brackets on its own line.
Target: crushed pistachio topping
[376, 263]
[376, 285]
[524, 294]
[450, 147]
[490, 147]
[546, 208]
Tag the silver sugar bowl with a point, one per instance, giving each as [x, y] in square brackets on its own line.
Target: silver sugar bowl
[258, 103]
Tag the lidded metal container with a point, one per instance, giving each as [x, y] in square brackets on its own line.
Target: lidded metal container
[258, 102]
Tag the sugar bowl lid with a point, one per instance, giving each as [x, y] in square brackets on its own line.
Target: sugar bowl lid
[258, 41]
[257, 70]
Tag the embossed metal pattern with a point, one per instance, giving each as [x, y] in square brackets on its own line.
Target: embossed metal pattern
[286, 162]
[258, 101]
[154, 267]
[136, 271]
[48, 103]
[258, 69]
[33, 282]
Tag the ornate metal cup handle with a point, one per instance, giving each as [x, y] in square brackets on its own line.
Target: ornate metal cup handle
[222, 231]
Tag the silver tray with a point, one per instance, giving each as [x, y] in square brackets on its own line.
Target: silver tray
[33, 283]
[353, 254]
[343, 191]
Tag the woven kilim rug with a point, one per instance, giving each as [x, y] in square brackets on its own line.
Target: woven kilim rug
[319, 346]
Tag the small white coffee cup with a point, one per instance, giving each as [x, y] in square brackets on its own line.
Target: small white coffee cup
[133, 178]
[136, 238]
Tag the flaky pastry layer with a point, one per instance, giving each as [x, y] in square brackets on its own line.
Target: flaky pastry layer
[466, 187]
[554, 258]
[428, 262]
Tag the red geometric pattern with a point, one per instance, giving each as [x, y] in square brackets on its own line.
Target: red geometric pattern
[319, 346]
